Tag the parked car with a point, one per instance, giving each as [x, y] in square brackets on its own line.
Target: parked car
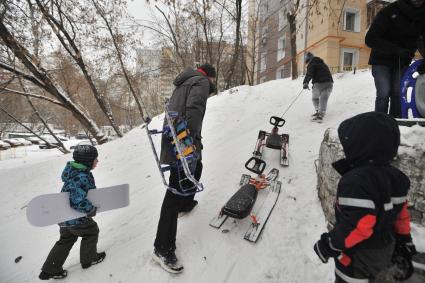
[48, 146]
[4, 145]
[24, 141]
[52, 144]
[34, 140]
[13, 142]
[81, 137]
[93, 142]
[62, 138]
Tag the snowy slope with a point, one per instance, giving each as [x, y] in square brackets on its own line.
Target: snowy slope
[283, 253]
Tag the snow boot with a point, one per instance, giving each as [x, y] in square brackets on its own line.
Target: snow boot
[58, 275]
[100, 257]
[318, 118]
[315, 114]
[168, 262]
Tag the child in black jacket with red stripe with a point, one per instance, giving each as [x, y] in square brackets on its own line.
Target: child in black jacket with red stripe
[372, 220]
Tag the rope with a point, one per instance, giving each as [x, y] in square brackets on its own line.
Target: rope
[293, 101]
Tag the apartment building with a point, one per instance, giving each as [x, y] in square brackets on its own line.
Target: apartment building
[331, 29]
[273, 41]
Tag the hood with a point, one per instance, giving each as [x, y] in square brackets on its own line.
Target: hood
[185, 75]
[369, 138]
[71, 170]
[316, 60]
[410, 11]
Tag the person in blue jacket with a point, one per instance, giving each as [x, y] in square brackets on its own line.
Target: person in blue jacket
[78, 180]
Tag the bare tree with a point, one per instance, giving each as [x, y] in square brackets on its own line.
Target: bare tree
[237, 46]
[39, 77]
[118, 51]
[67, 37]
[73, 33]
[203, 31]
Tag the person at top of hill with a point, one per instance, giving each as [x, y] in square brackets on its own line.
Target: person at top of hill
[372, 221]
[189, 99]
[318, 72]
[395, 34]
[78, 180]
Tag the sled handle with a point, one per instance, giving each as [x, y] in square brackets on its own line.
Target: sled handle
[258, 165]
[277, 121]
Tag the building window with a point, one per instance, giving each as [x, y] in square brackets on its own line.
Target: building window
[264, 9]
[263, 62]
[349, 58]
[281, 45]
[280, 73]
[351, 19]
[264, 34]
[282, 18]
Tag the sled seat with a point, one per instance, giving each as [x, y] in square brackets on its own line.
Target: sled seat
[241, 203]
[274, 141]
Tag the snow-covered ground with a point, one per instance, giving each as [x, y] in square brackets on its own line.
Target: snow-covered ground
[284, 252]
[30, 154]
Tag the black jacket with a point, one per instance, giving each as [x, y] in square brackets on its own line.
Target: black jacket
[394, 34]
[318, 72]
[189, 99]
[371, 200]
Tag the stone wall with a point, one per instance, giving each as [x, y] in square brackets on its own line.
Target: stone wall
[411, 160]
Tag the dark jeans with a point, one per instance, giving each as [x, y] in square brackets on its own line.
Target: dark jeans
[387, 83]
[172, 204]
[89, 232]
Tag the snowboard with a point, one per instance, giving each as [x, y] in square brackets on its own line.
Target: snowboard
[49, 209]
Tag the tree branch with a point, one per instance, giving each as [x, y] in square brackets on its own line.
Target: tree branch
[54, 101]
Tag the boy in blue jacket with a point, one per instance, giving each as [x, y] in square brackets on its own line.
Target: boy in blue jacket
[78, 180]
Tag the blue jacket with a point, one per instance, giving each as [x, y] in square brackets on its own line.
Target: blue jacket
[78, 180]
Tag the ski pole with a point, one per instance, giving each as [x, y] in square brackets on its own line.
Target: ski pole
[293, 101]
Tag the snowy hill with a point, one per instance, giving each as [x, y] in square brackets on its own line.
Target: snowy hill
[283, 253]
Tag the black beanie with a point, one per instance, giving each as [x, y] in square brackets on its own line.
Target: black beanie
[208, 69]
[85, 154]
[308, 57]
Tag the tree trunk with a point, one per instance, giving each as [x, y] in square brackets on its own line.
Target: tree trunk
[237, 45]
[293, 40]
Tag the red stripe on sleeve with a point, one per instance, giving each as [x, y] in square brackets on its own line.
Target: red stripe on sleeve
[344, 259]
[402, 223]
[363, 231]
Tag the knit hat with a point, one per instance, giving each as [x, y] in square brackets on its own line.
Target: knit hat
[208, 70]
[85, 154]
[308, 56]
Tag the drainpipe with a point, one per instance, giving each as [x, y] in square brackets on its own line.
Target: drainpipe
[306, 32]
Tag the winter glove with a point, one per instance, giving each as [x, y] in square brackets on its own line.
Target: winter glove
[305, 86]
[404, 245]
[402, 257]
[421, 68]
[323, 248]
[92, 213]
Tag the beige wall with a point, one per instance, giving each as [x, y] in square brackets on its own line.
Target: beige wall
[327, 38]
